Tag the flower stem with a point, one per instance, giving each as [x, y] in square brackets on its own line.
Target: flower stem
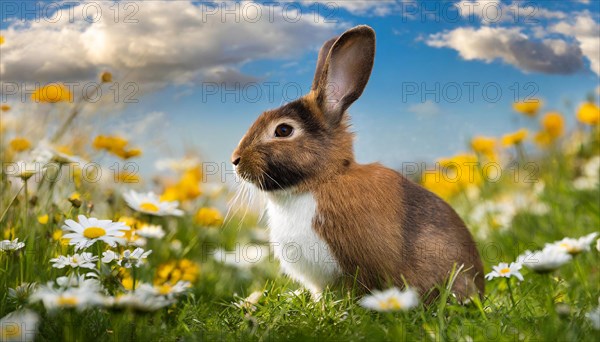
[10, 204]
[510, 292]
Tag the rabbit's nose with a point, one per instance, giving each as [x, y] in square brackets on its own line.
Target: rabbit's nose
[235, 159]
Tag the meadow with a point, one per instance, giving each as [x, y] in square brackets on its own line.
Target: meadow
[100, 253]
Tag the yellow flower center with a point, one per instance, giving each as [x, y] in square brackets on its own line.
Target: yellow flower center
[10, 332]
[164, 289]
[569, 248]
[504, 271]
[94, 232]
[147, 206]
[67, 301]
[392, 303]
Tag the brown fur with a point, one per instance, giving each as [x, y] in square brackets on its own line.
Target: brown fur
[379, 226]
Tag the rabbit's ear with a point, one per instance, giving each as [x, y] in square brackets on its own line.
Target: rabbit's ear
[321, 61]
[345, 72]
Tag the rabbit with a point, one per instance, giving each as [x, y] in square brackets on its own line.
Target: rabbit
[333, 221]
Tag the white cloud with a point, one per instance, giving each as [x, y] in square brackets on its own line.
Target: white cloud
[586, 32]
[496, 11]
[510, 45]
[425, 109]
[173, 42]
[358, 7]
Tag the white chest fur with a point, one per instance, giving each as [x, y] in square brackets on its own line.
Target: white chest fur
[303, 255]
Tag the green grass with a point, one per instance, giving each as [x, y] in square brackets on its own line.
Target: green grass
[546, 307]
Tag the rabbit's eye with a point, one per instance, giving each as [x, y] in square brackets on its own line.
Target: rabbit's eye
[284, 131]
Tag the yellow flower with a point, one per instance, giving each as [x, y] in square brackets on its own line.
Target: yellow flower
[440, 185]
[187, 188]
[208, 217]
[57, 236]
[543, 139]
[174, 271]
[75, 199]
[1, 39]
[553, 124]
[515, 137]
[106, 77]
[529, 107]
[52, 93]
[115, 145]
[589, 114]
[20, 144]
[485, 146]
[43, 219]
[127, 177]
[109, 143]
[5, 108]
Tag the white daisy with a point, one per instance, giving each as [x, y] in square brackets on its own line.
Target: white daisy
[19, 326]
[89, 230]
[546, 260]
[128, 259]
[11, 246]
[83, 260]
[149, 203]
[24, 169]
[44, 152]
[390, 300]
[505, 270]
[575, 246]
[141, 301]
[598, 245]
[150, 231]
[84, 296]
[249, 303]
[166, 289]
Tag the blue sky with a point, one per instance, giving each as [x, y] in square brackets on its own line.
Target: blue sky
[177, 52]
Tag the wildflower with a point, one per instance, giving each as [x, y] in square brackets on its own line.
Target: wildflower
[4, 108]
[109, 143]
[52, 93]
[150, 231]
[484, 146]
[85, 295]
[83, 260]
[505, 270]
[75, 199]
[575, 246]
[390, 300]
[20, 294]
[143, 301]
[166, 289]
[208, 217]
[106, 77]
[187, 188]
[529, 107]
[128, 259]
[553, 124]
[150, 203]
[589, 114]
[20, 325]
[89, 230]
[43, 219]
[44, 151]
[514, 138]
[249, 303]
[546, 260]
[19, 144]
[174, 271]
[590, 177]
[598, 245]
[127, 177]
[11, 246]
[24, 169]
[1, 39]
